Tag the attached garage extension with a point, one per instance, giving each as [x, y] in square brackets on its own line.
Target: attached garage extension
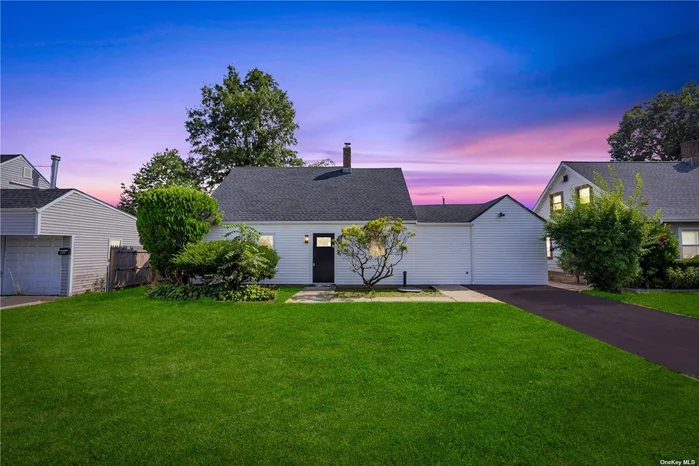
[36, 223]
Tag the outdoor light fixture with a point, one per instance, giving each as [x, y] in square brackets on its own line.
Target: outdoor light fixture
[501, 214]
[305, 239]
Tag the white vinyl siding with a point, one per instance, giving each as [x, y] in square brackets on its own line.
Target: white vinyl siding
[508, 250]
[568, 190]
[436, 254]
[18, 223]
[12, 175]
[92, 225]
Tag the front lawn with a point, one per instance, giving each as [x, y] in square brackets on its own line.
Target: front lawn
[120, 379]
[680, 302]
[355, 292]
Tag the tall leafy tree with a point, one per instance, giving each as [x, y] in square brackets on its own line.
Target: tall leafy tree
[656, 128]
[242, 122]
[164, 169]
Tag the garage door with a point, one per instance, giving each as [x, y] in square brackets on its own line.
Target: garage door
[32, 265]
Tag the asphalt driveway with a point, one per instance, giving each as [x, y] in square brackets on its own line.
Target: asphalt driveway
[667, 339]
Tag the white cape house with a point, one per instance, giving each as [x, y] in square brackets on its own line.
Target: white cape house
[300, 211]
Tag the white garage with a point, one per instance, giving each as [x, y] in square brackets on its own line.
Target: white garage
[56, 241]
[32, 266]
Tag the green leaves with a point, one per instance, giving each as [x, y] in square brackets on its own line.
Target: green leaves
[658, 127]
[374, 249]
[171, 218]
[164, 169]
[248, 122]
[601, 240]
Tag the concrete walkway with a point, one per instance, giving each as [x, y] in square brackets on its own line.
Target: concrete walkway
[568, 286]
[326, 294]
[462, 294]
[7, 302]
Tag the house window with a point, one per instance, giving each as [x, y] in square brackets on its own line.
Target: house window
[549, 248]
[377, 247]
[584, 194]
[27, 172]
[565, 178]
[556, 201]
[267, 240]
[689, 243]
[324, 242]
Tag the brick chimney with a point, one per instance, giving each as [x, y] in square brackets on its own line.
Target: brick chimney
[689, 153]
[347, 158]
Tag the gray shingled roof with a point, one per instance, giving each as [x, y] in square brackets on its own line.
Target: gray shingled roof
[29, 198]
[452, 213]
[670, 186]
[258, 194]
[7, 157]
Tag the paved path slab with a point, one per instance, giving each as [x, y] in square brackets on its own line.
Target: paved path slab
[313, 294]
[7, 302]
[663, 338]
[464, 295]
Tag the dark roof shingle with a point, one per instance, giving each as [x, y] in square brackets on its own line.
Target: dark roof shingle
[7, 157]
[29, 198]
[258, 194]
[672, 187]
[452, 213]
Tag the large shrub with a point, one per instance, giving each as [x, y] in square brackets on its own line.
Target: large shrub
[603, 238]
[659, 252]
[229, 262]
[248, 260]
[171, 218]
[204, 258]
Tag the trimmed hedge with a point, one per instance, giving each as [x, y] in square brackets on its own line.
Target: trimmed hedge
[683, 278]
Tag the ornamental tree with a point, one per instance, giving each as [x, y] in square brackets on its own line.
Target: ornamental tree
[171, 218]
[602, 239]
[374, 249]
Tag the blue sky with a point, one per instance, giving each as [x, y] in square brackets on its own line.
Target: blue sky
[472, 100]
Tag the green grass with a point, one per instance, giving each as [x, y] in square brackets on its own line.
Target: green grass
[379, 292]
[120, 379]
[680, 302]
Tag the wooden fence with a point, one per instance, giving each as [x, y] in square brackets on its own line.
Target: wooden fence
[128, 266]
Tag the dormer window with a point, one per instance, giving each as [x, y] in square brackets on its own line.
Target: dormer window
[556, 201]
[584, 194]
[27, 172]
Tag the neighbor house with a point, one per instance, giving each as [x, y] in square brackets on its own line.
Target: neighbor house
[301, 211]
[54, 241]
[671, 187]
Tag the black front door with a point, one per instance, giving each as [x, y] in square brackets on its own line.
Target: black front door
[323, 258]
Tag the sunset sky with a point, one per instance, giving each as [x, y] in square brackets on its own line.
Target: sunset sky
[472, 100]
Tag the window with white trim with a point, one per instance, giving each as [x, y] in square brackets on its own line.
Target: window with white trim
[549, 248]
[689, 243]
[27, 172]
[267, 240]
